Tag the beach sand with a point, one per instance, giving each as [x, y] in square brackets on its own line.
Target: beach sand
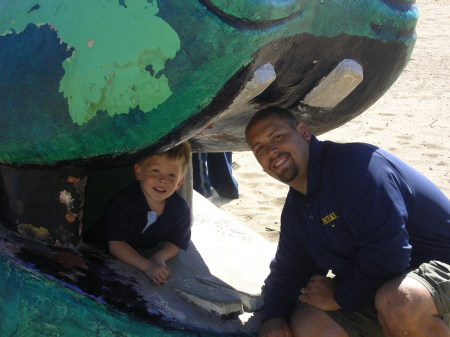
[412, 120]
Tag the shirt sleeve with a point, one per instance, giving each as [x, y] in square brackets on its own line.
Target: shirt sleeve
[116, 221]
[181, 234]
[375, 211]
[290, 270]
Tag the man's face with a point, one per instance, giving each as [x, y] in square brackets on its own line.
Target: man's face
[281, 150]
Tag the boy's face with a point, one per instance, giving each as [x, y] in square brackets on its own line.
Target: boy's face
[159, 177]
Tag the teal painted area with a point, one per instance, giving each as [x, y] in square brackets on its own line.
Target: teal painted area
[114, 105]
[31, 305]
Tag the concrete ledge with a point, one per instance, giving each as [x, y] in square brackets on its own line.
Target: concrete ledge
[226, 264]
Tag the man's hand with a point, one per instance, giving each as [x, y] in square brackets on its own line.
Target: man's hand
[158, 273]
[319, 292]
[275, 327]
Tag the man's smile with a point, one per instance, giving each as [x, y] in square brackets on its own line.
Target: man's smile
[279, 161]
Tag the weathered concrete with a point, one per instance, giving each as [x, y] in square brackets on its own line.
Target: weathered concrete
[225, 265]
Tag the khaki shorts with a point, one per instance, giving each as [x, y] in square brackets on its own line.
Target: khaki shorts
[435, 276]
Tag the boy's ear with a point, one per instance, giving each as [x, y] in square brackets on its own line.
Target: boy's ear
[138, 171]
[179, 183]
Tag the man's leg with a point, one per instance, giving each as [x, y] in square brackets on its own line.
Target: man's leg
[406, 308]
[200, 176]
[220, 171]
[308, 321]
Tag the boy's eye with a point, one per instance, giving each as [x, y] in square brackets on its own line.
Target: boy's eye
[155, 170]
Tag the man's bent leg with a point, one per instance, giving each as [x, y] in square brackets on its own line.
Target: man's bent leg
[308, 321]
[406, 308]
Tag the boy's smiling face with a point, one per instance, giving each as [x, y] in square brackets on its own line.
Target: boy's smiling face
[159, 176]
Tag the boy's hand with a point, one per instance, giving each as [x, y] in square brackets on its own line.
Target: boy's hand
[158, 273]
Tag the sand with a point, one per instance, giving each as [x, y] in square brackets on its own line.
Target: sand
[412, 120]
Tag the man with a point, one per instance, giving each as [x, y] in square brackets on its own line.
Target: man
[379, 226]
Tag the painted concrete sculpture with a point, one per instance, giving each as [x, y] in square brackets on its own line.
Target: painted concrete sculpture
[91, 80]
[97, 83]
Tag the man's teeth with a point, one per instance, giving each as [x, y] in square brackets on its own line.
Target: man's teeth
[279, 162]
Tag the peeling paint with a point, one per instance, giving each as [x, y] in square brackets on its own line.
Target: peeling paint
[65, 198]
[120, 52]
[32, 232]
[71, 217]
[73, 180]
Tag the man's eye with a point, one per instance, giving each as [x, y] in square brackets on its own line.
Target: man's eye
[155, 170]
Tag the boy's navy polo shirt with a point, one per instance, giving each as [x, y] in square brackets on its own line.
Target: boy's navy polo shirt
[126, 216]
[367, 216]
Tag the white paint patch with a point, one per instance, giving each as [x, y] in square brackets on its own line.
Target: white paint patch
[65, 197]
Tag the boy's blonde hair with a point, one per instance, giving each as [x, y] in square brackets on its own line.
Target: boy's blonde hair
[180, 152]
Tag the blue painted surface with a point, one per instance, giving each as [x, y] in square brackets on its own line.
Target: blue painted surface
[33, 305]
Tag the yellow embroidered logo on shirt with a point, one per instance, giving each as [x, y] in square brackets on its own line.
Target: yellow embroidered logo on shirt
[330, 217]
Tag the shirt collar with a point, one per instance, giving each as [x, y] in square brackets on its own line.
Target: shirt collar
[314, 168]
[139, 198]
[316, 149]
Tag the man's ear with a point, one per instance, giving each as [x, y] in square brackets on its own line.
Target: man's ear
[303, 129]
[179, 184]
[138, 171]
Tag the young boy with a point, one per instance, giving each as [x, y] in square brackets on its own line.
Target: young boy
[149, 214]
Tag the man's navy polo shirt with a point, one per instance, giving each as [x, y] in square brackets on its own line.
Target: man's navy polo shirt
[367, 216]
[126, 216]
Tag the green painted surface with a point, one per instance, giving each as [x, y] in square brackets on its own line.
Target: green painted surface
[107, 71]
[109, 101]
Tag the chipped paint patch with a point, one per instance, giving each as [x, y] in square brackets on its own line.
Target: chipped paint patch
[71, 217]
[32, 232]
[65, 197]
[73, 180]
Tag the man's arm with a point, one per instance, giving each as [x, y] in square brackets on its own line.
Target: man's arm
[374, 206]
[290, 270]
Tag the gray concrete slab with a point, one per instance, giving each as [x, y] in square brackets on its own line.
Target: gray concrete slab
[226, 264]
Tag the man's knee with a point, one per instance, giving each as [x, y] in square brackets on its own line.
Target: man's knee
[403, 300]
[308, 321]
